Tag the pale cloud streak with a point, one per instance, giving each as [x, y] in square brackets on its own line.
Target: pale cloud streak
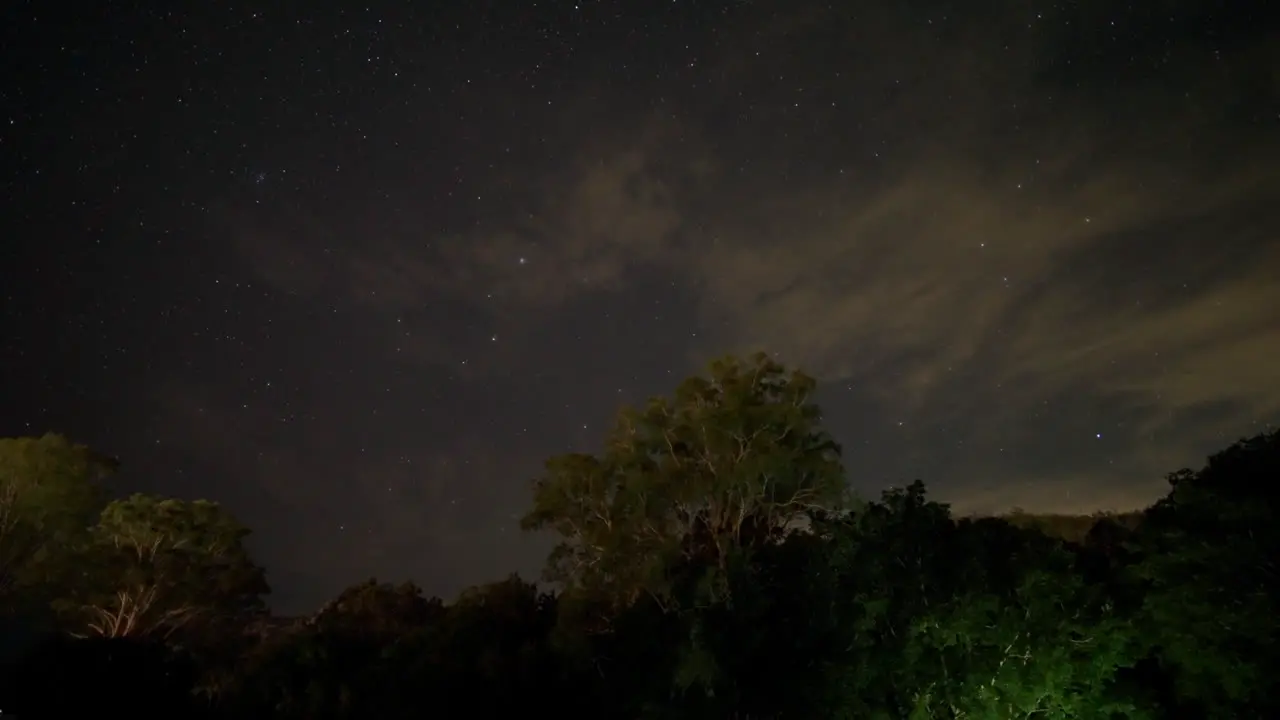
[997, 264]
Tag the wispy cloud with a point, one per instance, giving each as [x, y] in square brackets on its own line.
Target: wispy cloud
[998, 244]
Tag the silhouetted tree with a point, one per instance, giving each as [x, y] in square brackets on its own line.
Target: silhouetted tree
[712, 568]
[1206, 569]
[67, 677]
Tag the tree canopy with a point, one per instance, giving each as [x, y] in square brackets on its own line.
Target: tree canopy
[158, 565]
[734, 459]
[709, 566]
[50, 490]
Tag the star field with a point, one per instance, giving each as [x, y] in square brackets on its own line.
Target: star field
[355, 271]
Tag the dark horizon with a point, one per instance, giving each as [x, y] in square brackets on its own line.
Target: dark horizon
[356, 273]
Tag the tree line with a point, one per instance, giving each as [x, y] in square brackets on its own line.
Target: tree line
[711, 564]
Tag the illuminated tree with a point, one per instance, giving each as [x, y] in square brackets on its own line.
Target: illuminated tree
[155, 566]
[49, 493]
[1030, 639]
[734, 459]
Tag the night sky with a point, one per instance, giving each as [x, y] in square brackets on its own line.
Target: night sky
[356, 272]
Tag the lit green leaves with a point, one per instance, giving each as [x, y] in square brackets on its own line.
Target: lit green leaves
[49, 493]
[732, 460]
[157, 565]
[1028, 639]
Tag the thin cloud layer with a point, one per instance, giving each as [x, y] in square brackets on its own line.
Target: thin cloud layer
[609, 209]
[1060, 269]
[962, 231]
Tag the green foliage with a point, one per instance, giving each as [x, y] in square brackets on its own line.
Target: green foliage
[733, 460]
[1206, 568]
[1028, 638]
[49, 493]
[155, 566]
[711, 572]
